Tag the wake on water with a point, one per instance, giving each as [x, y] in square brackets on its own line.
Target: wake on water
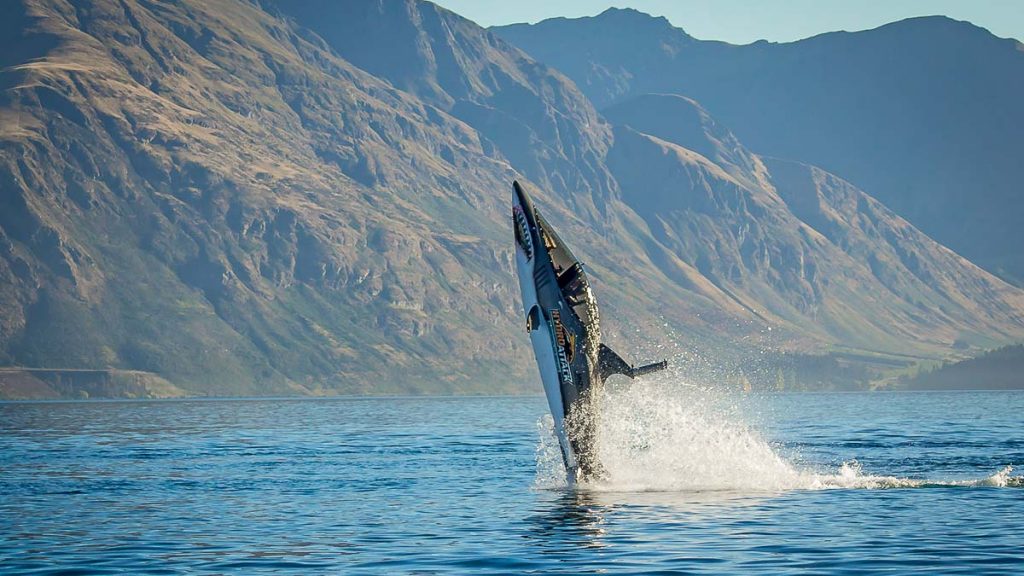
[656, 436]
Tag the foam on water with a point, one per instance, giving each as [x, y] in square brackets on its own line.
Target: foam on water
[660, 436]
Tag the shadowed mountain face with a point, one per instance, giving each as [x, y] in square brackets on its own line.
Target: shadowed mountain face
[537, 117]
[792, 241]
[923, 113]
[313, 198]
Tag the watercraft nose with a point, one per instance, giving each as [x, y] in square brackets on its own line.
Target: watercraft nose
[521, 199]
[523, 220]
[519, 196]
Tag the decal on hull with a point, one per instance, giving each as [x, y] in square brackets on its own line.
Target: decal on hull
[564, 369]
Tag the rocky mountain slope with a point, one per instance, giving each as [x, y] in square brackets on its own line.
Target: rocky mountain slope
[794, 243]
[199, 191]
[284, 198]
[924, 113]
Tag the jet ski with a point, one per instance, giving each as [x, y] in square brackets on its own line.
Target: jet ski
[565, 330]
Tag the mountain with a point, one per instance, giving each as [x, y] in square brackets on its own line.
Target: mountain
[212, 194]
[207, 193]
[281, 198]
[923, 113]
[795, 244]
[998, 369]
[537, 117]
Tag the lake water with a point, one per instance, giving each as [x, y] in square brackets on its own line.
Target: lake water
[699, 482]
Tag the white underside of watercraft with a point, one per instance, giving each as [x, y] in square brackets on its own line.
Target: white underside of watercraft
[544, 349]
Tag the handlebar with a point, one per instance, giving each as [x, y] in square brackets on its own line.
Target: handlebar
[649, 368]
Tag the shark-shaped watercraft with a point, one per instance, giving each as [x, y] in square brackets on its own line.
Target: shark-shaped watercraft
[565, 330]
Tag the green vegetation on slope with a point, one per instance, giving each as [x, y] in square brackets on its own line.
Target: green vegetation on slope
[999, 369]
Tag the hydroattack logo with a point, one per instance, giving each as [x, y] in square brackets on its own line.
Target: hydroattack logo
[558, 338]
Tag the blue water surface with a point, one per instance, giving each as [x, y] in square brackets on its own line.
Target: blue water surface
[440, 485]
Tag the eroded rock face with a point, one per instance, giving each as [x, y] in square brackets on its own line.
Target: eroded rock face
[792, 240]
[923, 114]
[210, 196]
[244, 200]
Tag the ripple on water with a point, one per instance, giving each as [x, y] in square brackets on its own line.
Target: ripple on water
[699, 482]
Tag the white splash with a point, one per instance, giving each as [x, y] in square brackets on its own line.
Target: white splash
[658, 436]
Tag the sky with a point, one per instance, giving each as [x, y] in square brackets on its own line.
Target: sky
[746, 21]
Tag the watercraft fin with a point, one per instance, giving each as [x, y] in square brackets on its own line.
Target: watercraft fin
[609, 362]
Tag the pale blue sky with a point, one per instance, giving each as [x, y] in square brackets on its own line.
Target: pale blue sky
[744, 21]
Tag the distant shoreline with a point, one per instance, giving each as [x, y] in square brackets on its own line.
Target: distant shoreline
[995, 370]
[427, 396]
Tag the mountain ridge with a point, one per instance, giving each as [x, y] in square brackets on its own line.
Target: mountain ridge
[920, 112]
[216, 195]
[773, 187]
